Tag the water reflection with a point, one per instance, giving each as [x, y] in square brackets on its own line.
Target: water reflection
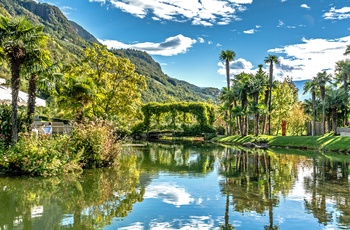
[87, 202]
[203, 186]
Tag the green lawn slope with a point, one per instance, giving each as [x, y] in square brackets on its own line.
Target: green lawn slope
[324, 143]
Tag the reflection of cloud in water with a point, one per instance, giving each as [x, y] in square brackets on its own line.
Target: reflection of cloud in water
[169, 193]
[195, 222]
[135, 226]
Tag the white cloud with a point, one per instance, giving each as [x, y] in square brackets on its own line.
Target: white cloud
[204, 12]
[337, 14]
[171, 46]
[300, 61]
[305, 6]
[251, 31]
[237, 66]
[101, 1]
[280, 23]
[305, 60]
[201, 40]
[169, 193]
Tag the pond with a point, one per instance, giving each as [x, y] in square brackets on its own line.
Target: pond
[197, 186]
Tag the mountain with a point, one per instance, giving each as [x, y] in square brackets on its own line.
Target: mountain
[68, 39]
[161, 87]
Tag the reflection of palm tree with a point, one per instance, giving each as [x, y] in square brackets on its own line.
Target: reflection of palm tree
[227, 225]
[268, 191]
[227, 168]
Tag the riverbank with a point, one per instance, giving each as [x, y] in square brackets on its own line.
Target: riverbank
[326, 142]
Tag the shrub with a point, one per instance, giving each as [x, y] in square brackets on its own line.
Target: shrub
[220, 130]
[97, 143]
[90, 145]
[41, 156]
[6, 123]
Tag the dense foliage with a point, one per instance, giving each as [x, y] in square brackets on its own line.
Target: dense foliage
[188, 118]
[90, 145]
[6, 123]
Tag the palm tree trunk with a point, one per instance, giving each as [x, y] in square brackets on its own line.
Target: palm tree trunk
[15, 83]
[31, 98]
[266, 101]
[323, 116]
[257, 124]
[346, 109]
[313, 113]
[335, 120]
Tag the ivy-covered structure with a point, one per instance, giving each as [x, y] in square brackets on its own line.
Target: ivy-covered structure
[197, 116]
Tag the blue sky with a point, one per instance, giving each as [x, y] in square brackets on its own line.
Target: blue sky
[187, 36]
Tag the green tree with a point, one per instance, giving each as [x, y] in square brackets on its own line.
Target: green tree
[76, 94]
[283, 103]
[336, 100]
[312, 87]
[347, 50]
[342, 73]
[228, 56]
[270, 59]
[20, 41]
[117, 86]
[241, 87]
[256, 85]
[321, 79]
[35, 69]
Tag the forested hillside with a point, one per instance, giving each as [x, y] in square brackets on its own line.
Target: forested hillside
[68, 39]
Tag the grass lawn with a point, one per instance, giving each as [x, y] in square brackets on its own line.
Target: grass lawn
[326, 142]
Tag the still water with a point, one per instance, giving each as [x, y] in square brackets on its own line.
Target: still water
[203, 186]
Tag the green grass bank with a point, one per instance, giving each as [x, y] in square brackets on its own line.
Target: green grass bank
[326, 142]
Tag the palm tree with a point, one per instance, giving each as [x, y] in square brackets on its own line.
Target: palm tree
[241, 89]
[336, 100]
[256, 85]
[321, 79]
[347, 51]
[77, 93]
[342, 73]
[311, 86]
[19, 41]
[37, 68]
[262, 75]
[228, 56]
[270, 59]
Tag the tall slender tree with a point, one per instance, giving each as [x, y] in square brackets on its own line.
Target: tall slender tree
[256, 85]
[321, 79]
[228, 56]
[342, 74]
[270, 59]
[312, 87]
[336, 99]
[19, 42]
[36, 66]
